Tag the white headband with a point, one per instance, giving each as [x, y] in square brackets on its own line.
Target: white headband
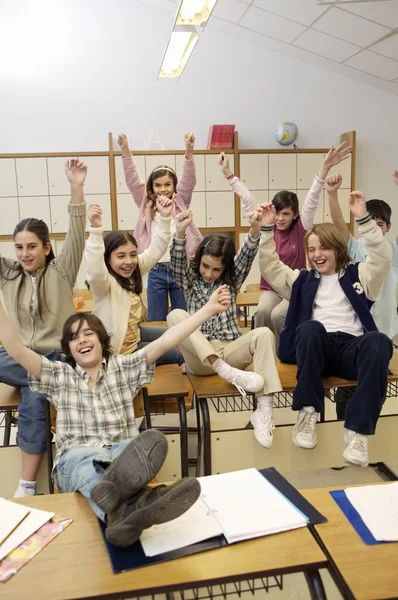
[164, 169]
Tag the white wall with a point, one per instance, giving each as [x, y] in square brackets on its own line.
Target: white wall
[76, 70]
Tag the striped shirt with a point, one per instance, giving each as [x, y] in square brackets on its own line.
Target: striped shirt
[96, 417]
[223, 326]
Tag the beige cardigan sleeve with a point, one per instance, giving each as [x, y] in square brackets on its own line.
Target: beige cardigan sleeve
[279, 276]
[373, 272]
[67, 263]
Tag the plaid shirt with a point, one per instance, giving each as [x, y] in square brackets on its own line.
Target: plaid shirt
[96, 417]
[223, 326]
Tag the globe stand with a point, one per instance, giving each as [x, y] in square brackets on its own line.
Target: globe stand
[295, 147]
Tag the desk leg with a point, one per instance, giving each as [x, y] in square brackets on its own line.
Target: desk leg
[7, 428]
[183, 436]
[315, 585]
[147, 408]
[206, 436]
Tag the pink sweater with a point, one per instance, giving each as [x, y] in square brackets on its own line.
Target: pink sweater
[183, 197]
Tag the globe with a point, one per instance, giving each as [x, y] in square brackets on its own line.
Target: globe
[286, 133]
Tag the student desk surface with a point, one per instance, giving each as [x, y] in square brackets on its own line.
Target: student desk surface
[365, 572]
[76, 565]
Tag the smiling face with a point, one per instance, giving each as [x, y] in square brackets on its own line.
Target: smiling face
[322, 259]
[211, 268]
[30, 251]
[284, 219]
[85, 346]
[164, 186]
[124, 260]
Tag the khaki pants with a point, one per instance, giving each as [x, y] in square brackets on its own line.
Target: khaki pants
[257, 347]
[271, 312]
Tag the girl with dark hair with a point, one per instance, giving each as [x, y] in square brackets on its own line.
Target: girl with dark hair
[38, 296]
[289, 232]
[114, 275]
[219, 346]
[162, 181]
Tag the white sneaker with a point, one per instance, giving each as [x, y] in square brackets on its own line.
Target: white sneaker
[303, 433]
[356, 450]
[246, 381]
[263, 424]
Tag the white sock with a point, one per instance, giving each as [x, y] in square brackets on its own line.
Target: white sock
[25, 488]
[265, 404]
[222, 369]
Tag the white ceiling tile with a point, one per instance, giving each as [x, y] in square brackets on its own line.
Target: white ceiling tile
[326, 45]
[271, 25]
[385, 13]
[387, 47]
[372, 63]
[349, 27]
[302, 11]
[230, 10]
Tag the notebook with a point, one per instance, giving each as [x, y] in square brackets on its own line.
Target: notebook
[378, 507]
[31, 523]
[11, 515]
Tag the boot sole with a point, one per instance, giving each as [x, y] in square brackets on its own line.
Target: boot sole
[136, 466]
[171, 505]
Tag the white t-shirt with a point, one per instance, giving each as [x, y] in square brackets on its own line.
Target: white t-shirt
[154, 225]
[333, 309]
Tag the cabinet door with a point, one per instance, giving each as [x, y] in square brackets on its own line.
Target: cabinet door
[215, 180]
[97, 180]
[127, 212]
[198, 207]
[260, 196]
[220, 208]
[319, 215]
[7, 250]
[57, 180]
[199, 168]
[254, 171]
[155, 160]
[8, 181]
[37, 207]
[121, 186]
[282, 171]
[32, 177]
[104, 201]
[345, 207]
[307, 167]
[254, 274]
[9, 211]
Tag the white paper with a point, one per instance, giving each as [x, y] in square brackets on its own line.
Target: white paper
[34, 520]
[247, 505]
[195, 525]
[378, 508]
[11, 515]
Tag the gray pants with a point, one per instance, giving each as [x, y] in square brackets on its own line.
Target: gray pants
[271, 312]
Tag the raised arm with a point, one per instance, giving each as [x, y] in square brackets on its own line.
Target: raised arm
[183, 272]
[14, 347]
[247, 253]
[161, 239]
[332, 184]
[249, 204]
[333, 158]
[69, 259]
[187, 182]
[219, 301]
[98, 276]
[133, 179]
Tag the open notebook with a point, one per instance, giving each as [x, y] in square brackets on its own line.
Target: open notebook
[11, 515]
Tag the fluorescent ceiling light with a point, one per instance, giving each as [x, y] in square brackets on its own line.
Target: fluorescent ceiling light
[195, 12]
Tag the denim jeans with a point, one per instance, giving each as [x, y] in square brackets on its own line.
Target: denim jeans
[171, 357]
[81, 468]
[161, 283]
[31, 436]
[364, 358]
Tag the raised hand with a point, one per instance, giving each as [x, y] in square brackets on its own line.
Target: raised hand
[220, 300]
[123, 142]
[94, 215]
[268, 213]
[357, 204]
[189, 144]
[223, 161]
[395, 176]
[255, 219]
[183, 220]
[164, 205]
[333, 182]
[76, 171]
[334, 157]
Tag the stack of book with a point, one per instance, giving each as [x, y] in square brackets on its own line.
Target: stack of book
[221, 137]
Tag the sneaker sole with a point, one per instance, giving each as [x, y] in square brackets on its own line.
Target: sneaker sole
[354, 463]
[170, 506]
[304, 447]
[136, 466]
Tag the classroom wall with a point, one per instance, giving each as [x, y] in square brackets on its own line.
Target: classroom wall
[76, 70]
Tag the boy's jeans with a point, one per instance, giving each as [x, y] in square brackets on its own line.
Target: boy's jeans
[161, 283]
[81, 468]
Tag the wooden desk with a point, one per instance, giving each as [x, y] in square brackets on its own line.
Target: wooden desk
[360, 571]
[246, 299]
[76, 565]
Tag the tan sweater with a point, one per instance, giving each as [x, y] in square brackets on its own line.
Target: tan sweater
[43, 335]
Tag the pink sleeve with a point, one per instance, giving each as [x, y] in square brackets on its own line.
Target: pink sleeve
[133, 181]
[186, 184]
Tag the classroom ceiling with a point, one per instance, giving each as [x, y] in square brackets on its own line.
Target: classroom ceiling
[356, 38]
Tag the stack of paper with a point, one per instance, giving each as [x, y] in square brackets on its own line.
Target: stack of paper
[377, 506]
[239, 505]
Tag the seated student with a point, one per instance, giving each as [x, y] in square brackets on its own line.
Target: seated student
[384, 310]
[219, 346]
[289, 231]
[114, 275]
[93, 393]
[329, 328]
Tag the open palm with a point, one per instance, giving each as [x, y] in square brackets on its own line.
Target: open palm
[336, 155]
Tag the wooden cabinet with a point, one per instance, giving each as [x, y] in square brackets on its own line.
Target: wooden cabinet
[260, 196]
[254, 171]
[8, 180]
[121, 187]
[32, 177]
[319, 218]
[198, 207]
[199, 169]
[35, 206]
[308, 166]
[97, 180]
[282, 171]
[343, 201]
[215, 180]
[127, 212]
[220, 209]
[156, 160]
[9, 211]
[57, 179]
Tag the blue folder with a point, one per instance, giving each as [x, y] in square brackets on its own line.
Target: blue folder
[133, 557]
[339, 496]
